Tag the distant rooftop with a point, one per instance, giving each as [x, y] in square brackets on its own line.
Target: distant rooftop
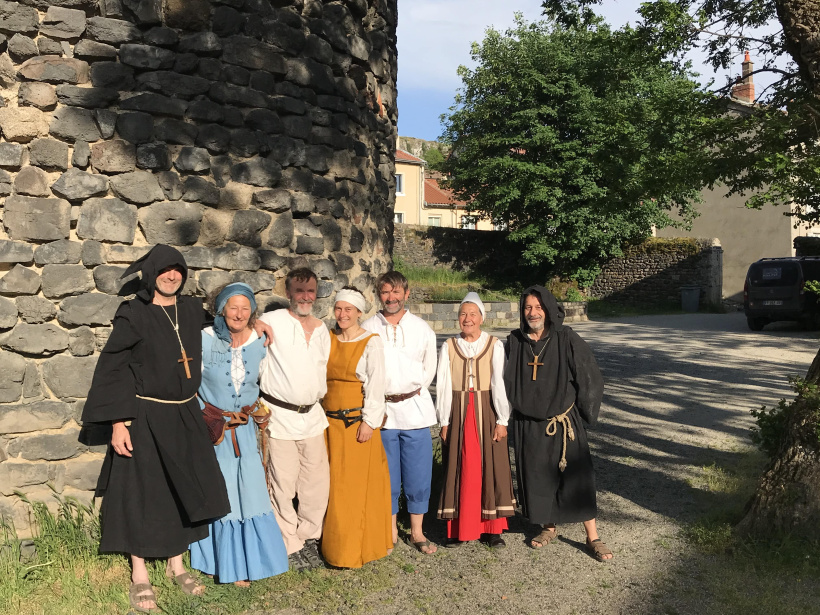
[402, 156]
[436, 195]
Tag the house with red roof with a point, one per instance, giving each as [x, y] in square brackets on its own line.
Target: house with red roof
[421, 200]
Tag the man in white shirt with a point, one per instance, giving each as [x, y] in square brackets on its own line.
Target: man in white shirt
[293, 380]
[410, 358]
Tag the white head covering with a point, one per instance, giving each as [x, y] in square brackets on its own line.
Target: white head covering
[472, 297]
[353, 297]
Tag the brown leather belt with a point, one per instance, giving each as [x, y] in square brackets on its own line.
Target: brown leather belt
[283, 404]
[397, 398]
[218, 422]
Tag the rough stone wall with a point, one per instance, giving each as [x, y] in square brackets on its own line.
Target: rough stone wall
[433, 246]
[257, 135]
[654, 273]
[650, 273]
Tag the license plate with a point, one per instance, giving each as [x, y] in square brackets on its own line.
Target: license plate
[772, 303]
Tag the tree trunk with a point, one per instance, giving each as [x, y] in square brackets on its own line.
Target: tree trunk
[801, 27]
[788, 496]
[787, 500]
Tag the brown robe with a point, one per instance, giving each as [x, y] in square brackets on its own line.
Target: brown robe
[497, 498]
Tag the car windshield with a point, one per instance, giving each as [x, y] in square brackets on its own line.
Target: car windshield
[774, 274]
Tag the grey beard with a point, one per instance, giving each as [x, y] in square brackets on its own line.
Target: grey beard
[536, 329]
[294, 307]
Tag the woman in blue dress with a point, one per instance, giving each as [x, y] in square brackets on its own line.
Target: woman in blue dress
[245, 545]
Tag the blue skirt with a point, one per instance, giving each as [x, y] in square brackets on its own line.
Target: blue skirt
[246, 544]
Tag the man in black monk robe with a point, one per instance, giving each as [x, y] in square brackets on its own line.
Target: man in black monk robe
[160, 479]
[555, 389]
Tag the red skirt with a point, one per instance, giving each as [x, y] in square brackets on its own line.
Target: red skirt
[469, 525]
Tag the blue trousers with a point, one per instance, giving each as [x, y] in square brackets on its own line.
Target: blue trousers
[410, 459]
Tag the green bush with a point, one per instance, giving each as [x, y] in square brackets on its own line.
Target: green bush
[771, 423]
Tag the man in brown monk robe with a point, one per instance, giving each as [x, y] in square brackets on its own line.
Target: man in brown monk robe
[555, 388]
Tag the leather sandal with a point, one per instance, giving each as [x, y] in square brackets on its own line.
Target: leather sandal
[186, 583]
[597, 550]
[140, 593]
[547, 535]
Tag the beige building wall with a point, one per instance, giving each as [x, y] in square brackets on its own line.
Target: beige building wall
[450, 217]
[746, 235]
[409, 203]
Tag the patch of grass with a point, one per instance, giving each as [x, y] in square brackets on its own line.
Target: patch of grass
[444, 284]
[68, 576]
[727, 574]
[435, 275]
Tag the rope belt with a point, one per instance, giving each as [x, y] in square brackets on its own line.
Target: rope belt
[552, 429]
[342, 415]
[165, 401]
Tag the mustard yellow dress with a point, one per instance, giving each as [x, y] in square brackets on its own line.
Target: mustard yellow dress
[358, 526]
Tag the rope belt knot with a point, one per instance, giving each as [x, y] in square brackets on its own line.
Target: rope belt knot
[552, 429]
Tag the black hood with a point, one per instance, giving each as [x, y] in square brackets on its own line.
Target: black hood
[160, 257]
[554, 311]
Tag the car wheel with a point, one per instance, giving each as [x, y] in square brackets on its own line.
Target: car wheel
[756, 324]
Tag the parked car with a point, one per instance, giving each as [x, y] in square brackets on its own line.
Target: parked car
[775, 290]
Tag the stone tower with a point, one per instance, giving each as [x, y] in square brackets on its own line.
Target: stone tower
[255, 135]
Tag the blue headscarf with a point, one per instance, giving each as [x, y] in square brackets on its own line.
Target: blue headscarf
[221, 348]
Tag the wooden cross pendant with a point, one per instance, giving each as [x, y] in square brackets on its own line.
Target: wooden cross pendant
[534, 364]
[185, 359]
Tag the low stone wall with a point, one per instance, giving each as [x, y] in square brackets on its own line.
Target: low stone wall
[655, 271]
[650, 273]
[443, 317]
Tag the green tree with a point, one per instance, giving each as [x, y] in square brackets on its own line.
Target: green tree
[579, 137]
[771, 154]
[434, 158]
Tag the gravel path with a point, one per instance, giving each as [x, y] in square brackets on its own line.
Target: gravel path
[678, 394]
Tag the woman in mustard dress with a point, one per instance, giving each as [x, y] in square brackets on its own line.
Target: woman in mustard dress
[358, 527]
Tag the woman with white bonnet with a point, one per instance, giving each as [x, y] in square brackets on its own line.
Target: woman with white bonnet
[473, 411]
[358, 524]
[246, 545]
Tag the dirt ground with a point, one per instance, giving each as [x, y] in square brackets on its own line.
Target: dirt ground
[678, 393]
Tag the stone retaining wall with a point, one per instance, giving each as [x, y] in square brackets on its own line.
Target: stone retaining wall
[256, 135]
[443, 317]
[654, 272]
[650, 273]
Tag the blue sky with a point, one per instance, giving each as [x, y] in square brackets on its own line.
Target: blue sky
[434, 38]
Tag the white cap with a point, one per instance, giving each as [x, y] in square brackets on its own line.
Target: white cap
[472, 297]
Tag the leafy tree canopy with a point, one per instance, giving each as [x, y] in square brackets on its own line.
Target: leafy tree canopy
[580, 138]
[769, 152]
[434, 158]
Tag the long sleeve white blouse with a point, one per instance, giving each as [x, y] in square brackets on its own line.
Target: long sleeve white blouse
[444, 379]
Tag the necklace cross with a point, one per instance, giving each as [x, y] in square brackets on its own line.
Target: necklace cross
[535, 364]
[184, 360]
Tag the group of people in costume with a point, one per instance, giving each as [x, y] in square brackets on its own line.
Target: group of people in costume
[270, 443]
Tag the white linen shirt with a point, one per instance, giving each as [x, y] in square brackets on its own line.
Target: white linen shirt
[295, 371]
[444, 379]
[370, 370]
[410, 362]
